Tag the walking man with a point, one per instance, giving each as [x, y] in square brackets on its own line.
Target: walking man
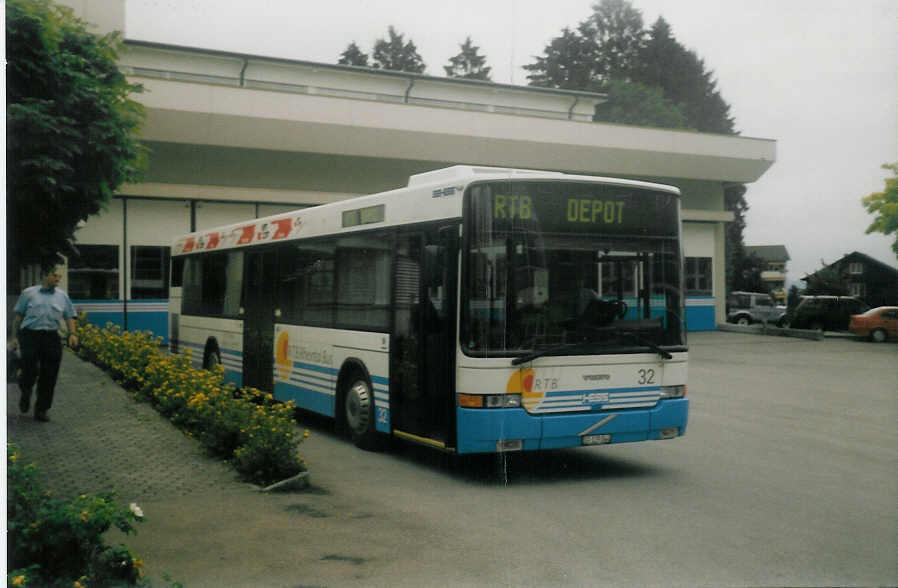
[38, 312]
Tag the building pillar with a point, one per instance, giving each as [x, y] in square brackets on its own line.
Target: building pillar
[718, 273]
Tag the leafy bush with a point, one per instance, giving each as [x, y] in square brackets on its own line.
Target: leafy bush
[246, 426]
[54, 542]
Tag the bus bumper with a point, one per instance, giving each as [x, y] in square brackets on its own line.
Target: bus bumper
[488, 430]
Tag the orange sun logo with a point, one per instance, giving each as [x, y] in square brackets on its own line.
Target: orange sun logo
[521, 382]
[281, 348]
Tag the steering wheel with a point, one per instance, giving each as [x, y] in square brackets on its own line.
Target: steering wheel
[621, 309]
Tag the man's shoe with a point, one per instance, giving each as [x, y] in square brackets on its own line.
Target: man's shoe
[42, 417]
[24, 403]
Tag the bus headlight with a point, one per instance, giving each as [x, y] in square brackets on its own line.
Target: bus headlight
[673, 392]
[489, 400]
[503, 401]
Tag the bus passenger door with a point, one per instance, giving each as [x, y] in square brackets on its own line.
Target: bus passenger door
[258, 320]
[422, 357]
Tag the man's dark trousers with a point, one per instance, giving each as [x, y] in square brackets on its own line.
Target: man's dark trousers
[41, 356]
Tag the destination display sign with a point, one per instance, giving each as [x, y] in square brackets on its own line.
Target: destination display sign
[576, 207]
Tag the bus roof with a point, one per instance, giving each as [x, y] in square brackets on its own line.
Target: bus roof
[441, 189]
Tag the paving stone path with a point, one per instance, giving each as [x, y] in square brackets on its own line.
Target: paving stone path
[100, 439]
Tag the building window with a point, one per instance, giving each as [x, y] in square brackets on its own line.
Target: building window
[698, 276]
[93, 274]
[149, 271]
[855, 268]
[857, 289]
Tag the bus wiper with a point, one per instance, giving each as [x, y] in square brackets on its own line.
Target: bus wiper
[576, 345]
[549, 351]
[643, 341]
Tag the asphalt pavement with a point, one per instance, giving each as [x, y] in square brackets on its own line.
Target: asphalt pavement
[206, 527]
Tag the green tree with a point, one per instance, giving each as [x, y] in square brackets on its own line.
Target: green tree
[681, 74]
[618, 34]
[885, 206]
[396, 54]
[734, 242]
[603, 48]
[353, 56]
[468, 64]
[72, 128]
[828, 280]
[747, 274]
[637, 104]
[568, 62]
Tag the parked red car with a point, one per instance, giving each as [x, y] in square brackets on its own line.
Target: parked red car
[878, 323]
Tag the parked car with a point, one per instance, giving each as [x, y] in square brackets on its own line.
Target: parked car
[878, 323]
[745, 308]
[824, 313]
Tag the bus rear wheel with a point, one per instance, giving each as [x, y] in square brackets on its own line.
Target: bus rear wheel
[358, 411]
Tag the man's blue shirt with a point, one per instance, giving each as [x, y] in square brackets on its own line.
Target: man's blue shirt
[42, 309]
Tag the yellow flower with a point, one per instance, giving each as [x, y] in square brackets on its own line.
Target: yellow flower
[18, 580]
[85, 515]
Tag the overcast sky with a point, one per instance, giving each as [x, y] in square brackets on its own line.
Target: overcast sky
[820, 77]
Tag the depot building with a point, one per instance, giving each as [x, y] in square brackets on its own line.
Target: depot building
[233, 137]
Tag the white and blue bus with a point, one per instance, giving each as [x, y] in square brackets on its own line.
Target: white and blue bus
[475, 310]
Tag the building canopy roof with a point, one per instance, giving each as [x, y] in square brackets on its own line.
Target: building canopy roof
[202, 97]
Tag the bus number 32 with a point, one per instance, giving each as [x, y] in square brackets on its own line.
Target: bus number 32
[646, 376]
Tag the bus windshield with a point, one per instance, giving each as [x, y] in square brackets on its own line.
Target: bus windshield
[570, 268]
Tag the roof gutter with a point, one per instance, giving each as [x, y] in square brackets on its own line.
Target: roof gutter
[243, 72]
[411, 84]
[368, 70]
[570, 112]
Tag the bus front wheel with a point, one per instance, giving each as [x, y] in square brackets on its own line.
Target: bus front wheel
[212, 357]
[358, 411]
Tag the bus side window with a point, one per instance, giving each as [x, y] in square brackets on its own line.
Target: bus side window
[289, 284]
[363, 281]
[213, 284]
